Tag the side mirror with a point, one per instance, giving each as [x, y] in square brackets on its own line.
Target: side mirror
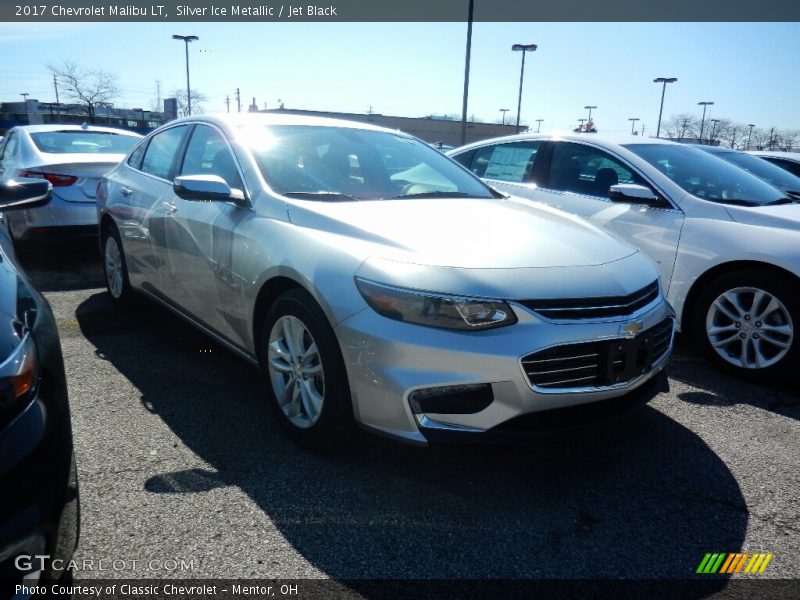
[24, 193]
[632, 192]
[205, 188]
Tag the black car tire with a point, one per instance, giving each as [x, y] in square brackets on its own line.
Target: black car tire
[748, 326]
[331, 425]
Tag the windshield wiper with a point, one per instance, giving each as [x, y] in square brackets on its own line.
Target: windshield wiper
[437, 194]
[321, 195]
[784, 200]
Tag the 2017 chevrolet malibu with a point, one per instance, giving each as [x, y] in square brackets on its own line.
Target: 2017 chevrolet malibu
[39, 499]
[72, 158]
[374, 279]
[727, 244]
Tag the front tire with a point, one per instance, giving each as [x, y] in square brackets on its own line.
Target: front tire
[747, 323]
[308, 381]
[116, 268]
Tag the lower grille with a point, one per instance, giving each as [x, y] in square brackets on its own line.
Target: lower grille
[599, 364]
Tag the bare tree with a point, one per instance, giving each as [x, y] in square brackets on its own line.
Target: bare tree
[86, 87]
[734, 135]
[681, 126]
[198, 98]
[719, 130]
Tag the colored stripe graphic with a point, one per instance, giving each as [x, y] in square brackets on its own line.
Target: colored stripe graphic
[733, 562]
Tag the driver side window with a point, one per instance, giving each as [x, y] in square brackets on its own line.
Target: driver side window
[588, 171]
[208, 154]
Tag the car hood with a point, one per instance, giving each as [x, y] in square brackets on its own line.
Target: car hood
[465, 233]
[783, 216]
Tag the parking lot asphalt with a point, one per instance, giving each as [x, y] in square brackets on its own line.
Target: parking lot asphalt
[180, 458]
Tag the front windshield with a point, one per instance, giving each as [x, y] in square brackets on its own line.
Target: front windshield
[341, 163]
[765, 170]
[707, 176]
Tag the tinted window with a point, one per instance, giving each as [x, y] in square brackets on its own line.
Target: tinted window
[507, 162]
[160, 156]
[83, 142]
[763, 169]
[707, 176]
[791, 166]
[331, 162]
[11, 145]
[587, 170]
[208, 154]
[135, 159]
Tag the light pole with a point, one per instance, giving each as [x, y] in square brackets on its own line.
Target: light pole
[713, 129]
[25, 101]
[633, 122]
[750, 134]
[590, 111]
[703, 121]
[186, 39]
[504, 111]
[539, 125]
[664, 81]
[522, 48]
[580, 125]
[466, 74]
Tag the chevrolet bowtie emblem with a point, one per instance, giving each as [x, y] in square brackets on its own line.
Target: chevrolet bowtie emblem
[630, 330]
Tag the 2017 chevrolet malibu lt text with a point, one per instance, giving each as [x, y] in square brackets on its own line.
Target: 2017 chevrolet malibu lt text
[374, 280]
[727, 244]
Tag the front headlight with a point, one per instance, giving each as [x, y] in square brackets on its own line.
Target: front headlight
[19, 362]
[435, 310]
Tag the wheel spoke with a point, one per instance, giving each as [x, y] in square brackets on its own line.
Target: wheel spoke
[312, 400]
[780, 343]
[743, 353]
[725, 341]
[734, 298]
[720, 306]
[771, 307]
[724, 329]
[288, 336]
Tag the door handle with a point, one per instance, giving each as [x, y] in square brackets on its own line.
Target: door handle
[126, 191]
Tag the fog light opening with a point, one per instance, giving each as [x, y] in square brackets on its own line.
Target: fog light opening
[452, 399]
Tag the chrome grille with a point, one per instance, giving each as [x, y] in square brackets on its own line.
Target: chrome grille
[594, 308]
[599, 364]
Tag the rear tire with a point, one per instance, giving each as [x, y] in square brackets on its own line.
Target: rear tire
[308, 384]
[747, 322]
[116, 268]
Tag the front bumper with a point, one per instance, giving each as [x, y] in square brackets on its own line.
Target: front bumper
[390, 362]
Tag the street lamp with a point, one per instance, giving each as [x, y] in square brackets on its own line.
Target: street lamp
[25, 100]
[539, 125]
[633, 122]
[703, 121]
[590, 111]
[186, 39]
[664, 81]
[522, 48]
[580, 124]
[750, 134]
[504, 111]
[713, 129]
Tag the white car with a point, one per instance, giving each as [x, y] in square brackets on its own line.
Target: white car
[789, 161]
[727, 244]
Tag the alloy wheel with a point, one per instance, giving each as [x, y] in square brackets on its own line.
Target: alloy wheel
[114, 272]
[749, 328]
[295, 371]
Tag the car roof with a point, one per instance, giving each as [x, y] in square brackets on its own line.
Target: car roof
[235, 120]
[56, 127]
[600, 139]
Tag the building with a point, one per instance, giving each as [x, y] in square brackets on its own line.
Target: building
[33, 112]
[430, 129]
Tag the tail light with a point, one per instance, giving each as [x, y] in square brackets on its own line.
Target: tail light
[56, 179]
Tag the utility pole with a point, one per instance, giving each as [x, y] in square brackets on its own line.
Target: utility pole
[58, 104]
[228, 103]
[159, 108]
[642, 129]
[238, 101]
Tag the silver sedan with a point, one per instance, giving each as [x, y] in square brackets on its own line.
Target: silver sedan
[375, 280]
[72, 158]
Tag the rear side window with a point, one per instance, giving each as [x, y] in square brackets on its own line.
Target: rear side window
[11, 145]
[506, 162]
[587, 170]
[135, 159]
[83, 142]
[162, 152]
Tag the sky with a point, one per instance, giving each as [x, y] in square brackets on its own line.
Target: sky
[749, 70]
